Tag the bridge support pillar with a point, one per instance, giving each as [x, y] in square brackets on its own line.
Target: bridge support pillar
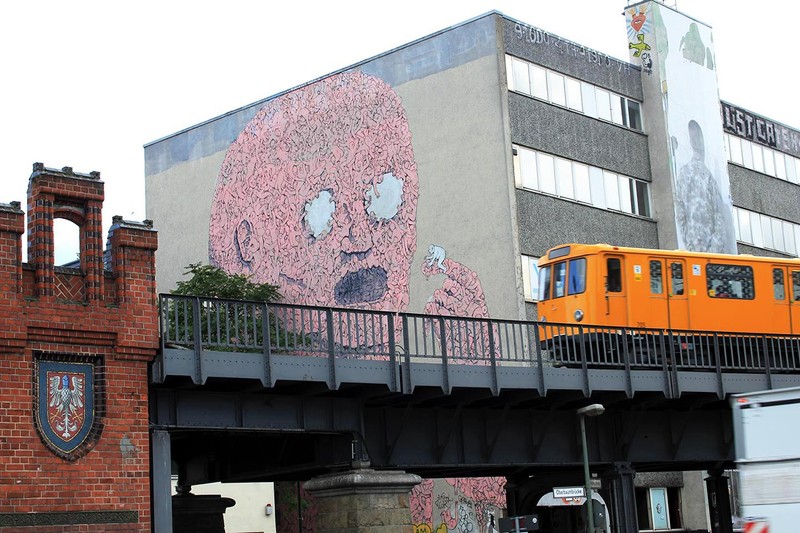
[363, 500]
[619, 480]
[719, 502]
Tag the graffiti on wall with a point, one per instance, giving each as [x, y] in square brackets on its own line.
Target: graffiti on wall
[318, 195]
[456, 504]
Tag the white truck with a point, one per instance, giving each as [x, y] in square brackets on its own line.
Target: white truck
[766, 428]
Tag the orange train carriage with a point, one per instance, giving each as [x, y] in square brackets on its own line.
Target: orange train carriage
[652, 290]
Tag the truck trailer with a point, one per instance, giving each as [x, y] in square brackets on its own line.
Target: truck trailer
[766, 428]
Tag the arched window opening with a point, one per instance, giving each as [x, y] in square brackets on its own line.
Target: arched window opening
[66, 243]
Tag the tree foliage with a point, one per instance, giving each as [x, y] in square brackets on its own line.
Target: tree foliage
[213, 282]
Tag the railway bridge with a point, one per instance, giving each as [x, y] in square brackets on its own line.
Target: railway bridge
[247, 391]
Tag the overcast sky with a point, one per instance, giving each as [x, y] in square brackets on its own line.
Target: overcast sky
[87, 83]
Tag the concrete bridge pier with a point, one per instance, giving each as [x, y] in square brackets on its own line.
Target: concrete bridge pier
[363, 500]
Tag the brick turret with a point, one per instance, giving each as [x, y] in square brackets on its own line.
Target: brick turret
[74, 348]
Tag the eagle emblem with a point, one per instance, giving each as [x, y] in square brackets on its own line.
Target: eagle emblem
[65, 414]
[65, 406]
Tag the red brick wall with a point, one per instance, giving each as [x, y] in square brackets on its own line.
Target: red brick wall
[110, 482]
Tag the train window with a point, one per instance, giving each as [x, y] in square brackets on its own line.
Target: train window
[676, 272]
[613, 275]
[778, 285]
[795, 286]
[559, 279]
[656, 278]
[544, 283]
[730, 281]
[577, 276]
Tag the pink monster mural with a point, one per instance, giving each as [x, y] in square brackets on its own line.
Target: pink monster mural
[318, 195]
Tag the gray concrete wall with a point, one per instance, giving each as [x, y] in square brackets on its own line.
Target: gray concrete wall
[546, 221]
[764, 194]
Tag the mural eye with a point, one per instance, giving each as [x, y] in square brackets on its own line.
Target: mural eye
[318, 214]
[383, 200]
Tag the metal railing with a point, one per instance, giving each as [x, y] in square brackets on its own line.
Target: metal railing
[240, 326]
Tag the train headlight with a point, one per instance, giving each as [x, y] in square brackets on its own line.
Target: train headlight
[578, 315]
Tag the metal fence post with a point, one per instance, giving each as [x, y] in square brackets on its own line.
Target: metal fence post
[266, 378]
[198, 342]
[493, 358]
[331, 351]
[445, 376]
[392, 352]
[767, 362]
[407, 386]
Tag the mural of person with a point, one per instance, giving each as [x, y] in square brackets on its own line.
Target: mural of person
[704, 218]
[318, 195]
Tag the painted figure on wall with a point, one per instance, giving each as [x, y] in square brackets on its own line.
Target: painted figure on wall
[703, 216]
[318, 195]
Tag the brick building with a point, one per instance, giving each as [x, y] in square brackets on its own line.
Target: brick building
[74, 350]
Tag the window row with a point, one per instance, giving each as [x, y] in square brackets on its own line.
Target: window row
[767, 232]
[762, 159]
[546, 173]
[591, 100]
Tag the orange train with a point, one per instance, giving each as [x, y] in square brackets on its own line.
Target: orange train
[621, 287]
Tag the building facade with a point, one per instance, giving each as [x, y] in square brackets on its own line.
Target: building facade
[430, 178]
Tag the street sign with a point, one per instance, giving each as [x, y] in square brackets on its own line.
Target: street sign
[518, 524]
[569, 492]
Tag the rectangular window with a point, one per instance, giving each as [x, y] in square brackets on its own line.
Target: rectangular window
[788, 239]
[577, 276]
[642, 199]
[766, 232]
[769, 161]
[747, 153]
[626, 205]
[676, 279]
[612, 190]
[744, 226]
[582, 188]
[564, 178]
[758, 158]
[777, 234]
[656, 278]
[730, 281]
[613, 275]
[574, 94]
[539, 82]
[527, 163]
[589, 101]
[521, 76]
[778, 285]
[603, 99]
[617, 103]
[555, 84]
[791, 169]
[559, 279]
[547, 173]
[755, 226]
[544, 283]
[598, 187]
[735, 148]
[634, 115]
[530, 277]
[795, 285]
[780, 166]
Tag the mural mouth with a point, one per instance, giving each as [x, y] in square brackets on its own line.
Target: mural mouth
[365, 285]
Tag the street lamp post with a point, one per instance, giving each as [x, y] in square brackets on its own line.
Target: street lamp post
[594, 409]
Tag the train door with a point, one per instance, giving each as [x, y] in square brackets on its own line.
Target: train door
[786, 293]
[616, 302]
[670, 306]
